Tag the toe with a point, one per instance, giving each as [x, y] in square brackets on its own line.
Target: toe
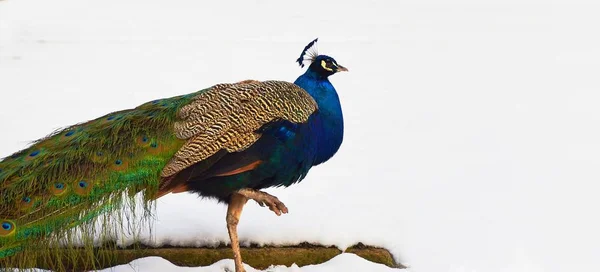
[260, 203]
[284, 209]
[274, 208]
[281, 206]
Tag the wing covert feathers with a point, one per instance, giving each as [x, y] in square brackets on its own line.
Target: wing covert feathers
[227, 117]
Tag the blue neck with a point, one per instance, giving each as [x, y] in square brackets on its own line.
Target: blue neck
[328, 122]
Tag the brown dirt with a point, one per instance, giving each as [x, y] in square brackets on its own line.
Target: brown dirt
[257, 257]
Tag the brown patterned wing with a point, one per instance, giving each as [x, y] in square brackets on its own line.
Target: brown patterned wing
[227, 116]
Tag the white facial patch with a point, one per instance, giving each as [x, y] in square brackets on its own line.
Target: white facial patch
[324, 65]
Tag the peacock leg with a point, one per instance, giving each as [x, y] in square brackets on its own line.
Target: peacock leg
[263, 198]
[234, 210]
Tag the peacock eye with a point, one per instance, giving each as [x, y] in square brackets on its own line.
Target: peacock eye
[6, 226]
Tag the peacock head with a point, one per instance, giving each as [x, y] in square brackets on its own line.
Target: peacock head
[321, 65]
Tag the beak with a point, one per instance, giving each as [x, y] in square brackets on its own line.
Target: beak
[342, 68]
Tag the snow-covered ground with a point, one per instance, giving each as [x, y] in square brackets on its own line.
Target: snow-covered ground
[346, 262]
[472, 127]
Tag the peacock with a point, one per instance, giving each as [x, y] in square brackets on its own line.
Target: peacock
[225, 142]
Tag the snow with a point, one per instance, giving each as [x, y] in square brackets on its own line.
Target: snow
[471, 127]
[343, 262]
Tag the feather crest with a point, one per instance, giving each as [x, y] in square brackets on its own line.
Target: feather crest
[309, 53]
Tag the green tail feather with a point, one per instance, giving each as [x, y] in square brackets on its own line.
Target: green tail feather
[69, 178]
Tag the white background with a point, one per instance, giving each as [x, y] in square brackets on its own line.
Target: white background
[472, 128]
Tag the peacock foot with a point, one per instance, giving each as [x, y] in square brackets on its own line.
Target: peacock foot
[263, 199]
